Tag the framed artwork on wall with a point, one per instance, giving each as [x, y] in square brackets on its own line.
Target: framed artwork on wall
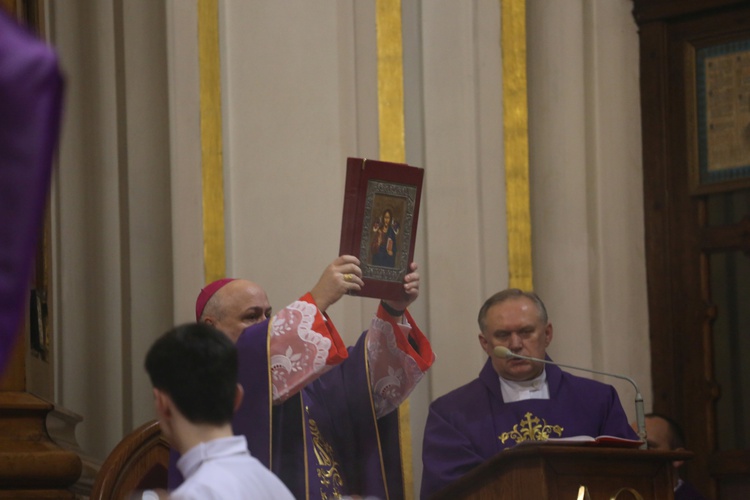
[721, 129]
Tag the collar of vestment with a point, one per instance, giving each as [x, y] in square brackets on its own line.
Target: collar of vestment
[515, 390]
[490, 379]
[210, 450]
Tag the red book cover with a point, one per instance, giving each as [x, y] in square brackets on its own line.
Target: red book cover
[379, 223]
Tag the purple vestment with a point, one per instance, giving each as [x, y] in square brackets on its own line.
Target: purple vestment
[325, 440]
[30, 111]
[687, 491]
[468, 425]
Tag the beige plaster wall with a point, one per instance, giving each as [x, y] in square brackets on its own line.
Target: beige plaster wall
[112, 261]
[586, 186]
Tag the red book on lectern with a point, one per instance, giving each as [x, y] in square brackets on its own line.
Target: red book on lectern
[379, 223]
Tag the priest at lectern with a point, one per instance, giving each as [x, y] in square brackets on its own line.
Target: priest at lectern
[513, 400]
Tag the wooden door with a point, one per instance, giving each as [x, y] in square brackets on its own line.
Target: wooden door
[695, 101]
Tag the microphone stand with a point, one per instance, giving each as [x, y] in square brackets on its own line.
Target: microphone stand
[640, 418]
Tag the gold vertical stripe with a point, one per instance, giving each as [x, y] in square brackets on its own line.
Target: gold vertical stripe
[390, 81]
[214, 258]
[516, 138]
[392, 148]
[404, 438]
[270, 400]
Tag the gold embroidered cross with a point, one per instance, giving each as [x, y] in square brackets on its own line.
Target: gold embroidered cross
[531, 430]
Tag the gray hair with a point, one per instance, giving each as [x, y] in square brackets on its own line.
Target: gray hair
[511, 294]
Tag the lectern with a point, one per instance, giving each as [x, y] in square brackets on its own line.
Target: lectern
[545, 471]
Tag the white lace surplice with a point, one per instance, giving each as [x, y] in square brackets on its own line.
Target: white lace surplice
[393, 372]
[298, 352]
[300, 347]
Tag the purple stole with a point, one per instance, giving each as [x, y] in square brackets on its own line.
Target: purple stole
[30, 111]
[323, 441]
[339, 405]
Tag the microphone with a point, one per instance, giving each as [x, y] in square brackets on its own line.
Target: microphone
[505, 353]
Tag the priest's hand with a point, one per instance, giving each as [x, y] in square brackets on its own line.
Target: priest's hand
[341, 276]
[396, 308]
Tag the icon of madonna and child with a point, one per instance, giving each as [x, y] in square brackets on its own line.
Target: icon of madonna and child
[383, 241]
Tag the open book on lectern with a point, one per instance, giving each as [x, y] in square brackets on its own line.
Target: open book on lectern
[603, 441]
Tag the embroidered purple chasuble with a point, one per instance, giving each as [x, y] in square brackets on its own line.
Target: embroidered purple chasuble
[324, 441]
[472, 423]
